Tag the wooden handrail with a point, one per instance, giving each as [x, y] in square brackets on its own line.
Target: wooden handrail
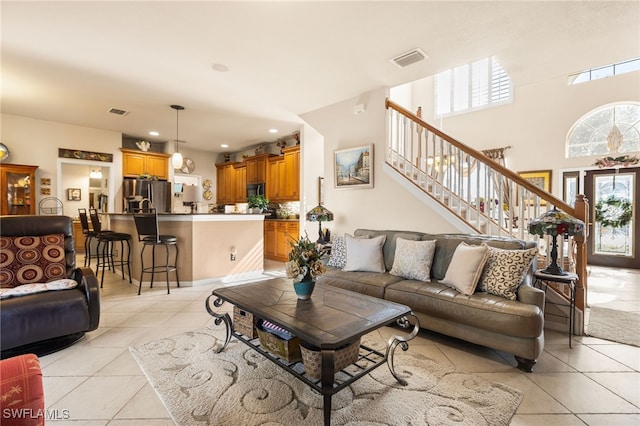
[550, 198]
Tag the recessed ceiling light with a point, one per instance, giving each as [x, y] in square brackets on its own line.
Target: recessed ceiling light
[154, 133]
[224, 145]
[273, 130]
[220, 67]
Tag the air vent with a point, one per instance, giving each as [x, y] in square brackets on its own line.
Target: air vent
[411, 57]
[118, 111]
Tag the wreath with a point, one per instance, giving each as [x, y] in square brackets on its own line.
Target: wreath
[614, 211]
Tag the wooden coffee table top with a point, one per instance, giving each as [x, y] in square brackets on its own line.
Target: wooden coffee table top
[331, 318]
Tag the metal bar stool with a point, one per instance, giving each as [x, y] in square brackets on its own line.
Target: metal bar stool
[104, 251]
[89, 235]
[146, 221]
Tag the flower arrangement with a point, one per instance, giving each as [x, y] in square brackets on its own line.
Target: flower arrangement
[624, 160]
[304, 260]
[614, 211]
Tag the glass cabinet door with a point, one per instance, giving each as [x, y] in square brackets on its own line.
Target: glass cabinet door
[18, 189]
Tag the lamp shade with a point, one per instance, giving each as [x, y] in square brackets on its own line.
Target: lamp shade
[177, 160]
[191, 194]
[319, 214]
[555, 222]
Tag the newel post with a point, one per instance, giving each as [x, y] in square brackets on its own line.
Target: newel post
[581, 211]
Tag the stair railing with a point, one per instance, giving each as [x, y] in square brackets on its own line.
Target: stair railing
[490, 198]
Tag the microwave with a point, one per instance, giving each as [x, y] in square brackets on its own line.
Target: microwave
[255, 189]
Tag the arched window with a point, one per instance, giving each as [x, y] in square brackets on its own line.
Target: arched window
[589, 135]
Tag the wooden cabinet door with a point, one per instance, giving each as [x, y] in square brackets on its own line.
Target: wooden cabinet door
[293, 232]
[252, 170]
[275, 165]
[17, 189]
[282, 246]
[133, 164]
[240, 192]
[291, 189]
[158, 166]
[271, 240]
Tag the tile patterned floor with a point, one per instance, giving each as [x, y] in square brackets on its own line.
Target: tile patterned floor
[99, 383]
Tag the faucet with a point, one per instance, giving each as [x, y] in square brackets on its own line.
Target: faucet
[148, 201]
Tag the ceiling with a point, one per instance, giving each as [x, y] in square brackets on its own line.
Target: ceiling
[70, 62]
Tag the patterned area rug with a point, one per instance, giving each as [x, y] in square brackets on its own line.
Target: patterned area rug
[618, 326]
[240, 387]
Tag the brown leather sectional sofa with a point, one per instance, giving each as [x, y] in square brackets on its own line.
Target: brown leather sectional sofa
[513, 326]
[44, 322]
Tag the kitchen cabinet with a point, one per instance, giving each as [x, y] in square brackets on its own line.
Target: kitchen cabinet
[283, 176]
[240, 193]
[136, 163]
[257, 168]
[277, 238]
[78, 236]
[17, 189]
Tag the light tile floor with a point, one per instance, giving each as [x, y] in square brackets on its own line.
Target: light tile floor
[98, 382]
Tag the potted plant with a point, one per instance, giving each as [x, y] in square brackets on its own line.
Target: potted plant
[258, 203]
[304, 266]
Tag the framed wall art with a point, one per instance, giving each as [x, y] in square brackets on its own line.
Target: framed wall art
[353, 167]
[540, 178]
[74, 194]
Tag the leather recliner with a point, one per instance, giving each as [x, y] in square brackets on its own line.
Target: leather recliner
[45, 322]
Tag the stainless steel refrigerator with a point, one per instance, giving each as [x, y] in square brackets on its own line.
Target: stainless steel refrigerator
[136, 190]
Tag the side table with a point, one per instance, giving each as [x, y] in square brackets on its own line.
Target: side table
[569, 279]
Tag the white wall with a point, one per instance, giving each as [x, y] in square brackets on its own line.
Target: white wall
[36, 142]
[312, 163]
[535, 125]
[387, 205]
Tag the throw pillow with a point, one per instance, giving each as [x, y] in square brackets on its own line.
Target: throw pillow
[413, 259]
[504, 271]
[465, 268]
[364, 255]
[25, 289]
[26, 260]
[338, 256]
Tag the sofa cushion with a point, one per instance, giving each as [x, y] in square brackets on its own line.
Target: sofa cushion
[505, 270]
[446, 245]
[413, 259]
[369, 283]
[31, 259]
[466, 267]
[364, 255]
[389, 248]
[480, 310]
[338, 253]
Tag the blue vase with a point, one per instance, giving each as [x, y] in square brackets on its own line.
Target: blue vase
[304, 289]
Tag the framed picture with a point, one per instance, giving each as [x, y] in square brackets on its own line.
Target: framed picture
[353, 167]
[541, 179]
[73, 194]
[45, 181]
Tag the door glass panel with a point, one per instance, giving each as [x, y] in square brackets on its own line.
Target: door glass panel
[613, 199]
[18, 193]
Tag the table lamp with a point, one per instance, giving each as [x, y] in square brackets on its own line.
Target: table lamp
[555, 222]
[191, 195]
[320, 214]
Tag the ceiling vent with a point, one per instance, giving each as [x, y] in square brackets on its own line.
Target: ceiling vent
[118, 111]
[411, 57]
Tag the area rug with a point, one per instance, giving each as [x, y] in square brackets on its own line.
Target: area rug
[614, 325]
[240, 387]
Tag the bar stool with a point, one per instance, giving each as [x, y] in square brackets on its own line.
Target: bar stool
[106, 240]
[89, 235]
[146, 221]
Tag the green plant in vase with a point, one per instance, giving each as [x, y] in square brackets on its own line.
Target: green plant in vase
[304, 265]
[258, 202]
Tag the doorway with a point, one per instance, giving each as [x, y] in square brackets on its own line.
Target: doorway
[614, 237]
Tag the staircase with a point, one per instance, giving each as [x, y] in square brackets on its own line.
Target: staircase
[481, 193]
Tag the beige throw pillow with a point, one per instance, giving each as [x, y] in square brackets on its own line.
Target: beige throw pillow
[364, 255]
[413, 259]
[465, 268]
[504, 271]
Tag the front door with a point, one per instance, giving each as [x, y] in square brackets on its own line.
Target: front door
[613, 235]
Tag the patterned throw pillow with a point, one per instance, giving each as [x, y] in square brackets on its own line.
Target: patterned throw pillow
[465, 268]
[504, 271]
[413, 259]
[338, 256]
[26, 260]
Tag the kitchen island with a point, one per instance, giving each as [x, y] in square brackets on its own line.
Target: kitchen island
[212, 247]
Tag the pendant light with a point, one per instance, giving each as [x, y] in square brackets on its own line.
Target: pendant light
[177, 159]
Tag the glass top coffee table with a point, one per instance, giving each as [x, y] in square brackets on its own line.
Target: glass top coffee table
[331, 319]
